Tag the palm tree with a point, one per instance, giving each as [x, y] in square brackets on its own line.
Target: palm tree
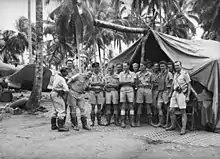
[14, 45]
[34, 99]
[22, 25]
[209, 15]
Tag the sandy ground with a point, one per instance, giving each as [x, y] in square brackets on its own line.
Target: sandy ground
[29, 137]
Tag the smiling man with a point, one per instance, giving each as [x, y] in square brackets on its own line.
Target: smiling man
[180, 96]
[127, 80]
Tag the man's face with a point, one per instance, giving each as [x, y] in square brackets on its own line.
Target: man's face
[70, 64]
[142, 67]
[65, 73]
[177, 66]
[170, 67]
[149, 65]
[110, 70]
[125, 66]
[96, 69]
[156, 67]
[119, 68]
[135, 68]
[163, 67]
[88, 75]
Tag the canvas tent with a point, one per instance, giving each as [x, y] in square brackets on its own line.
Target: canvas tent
[201, 58]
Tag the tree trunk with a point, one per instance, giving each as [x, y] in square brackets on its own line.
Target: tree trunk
[29, 33]
[34, 99]
[109, 25]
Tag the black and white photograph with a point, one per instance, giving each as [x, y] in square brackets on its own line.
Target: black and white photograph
[110, 79]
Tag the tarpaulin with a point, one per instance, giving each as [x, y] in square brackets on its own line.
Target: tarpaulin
[201, 58]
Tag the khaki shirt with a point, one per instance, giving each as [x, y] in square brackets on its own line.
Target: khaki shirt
[97, 78]
[182, 80]
[165, 81]
[112, 79]
[155, 79]
[59, 84]
[127, 77]
[79, 83]
[144, 78]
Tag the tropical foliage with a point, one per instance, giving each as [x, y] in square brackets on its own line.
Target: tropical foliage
[14, 44]
[209, 16]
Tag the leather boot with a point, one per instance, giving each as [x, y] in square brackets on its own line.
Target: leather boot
[183, 129]
[99, 119]
[84, 123]
[64, 120]
[92, 116]
[123, 121]
[173, 125]
[138, 120]
[116, 120]
[108, 119]
[74, 123]
[61, 127]
[161, 121]
[149, 119]
[54, 123]
[132, 123]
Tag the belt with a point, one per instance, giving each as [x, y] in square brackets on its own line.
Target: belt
[110, 89]
[144, 86]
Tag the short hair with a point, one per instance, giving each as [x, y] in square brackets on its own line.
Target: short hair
[163, 62]
[126, 63]
[95, 64]
[63, 69]
[178, 62]
[155, 63]
[135, 64]
[69, 60]
[170, 63]
[119, 64]
[144, 63]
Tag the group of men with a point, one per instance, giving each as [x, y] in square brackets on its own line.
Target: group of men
[123, 93]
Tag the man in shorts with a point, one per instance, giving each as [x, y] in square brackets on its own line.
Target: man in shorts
[144, 92]
[111, 95]
[127, 80]
[155, 81]
[96, 93]
[180, 96]
[164, 88]
[76, 98]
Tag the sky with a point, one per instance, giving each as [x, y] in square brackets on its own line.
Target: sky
[11, 10]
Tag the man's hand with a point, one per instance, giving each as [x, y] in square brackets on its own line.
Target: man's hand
[187, 99]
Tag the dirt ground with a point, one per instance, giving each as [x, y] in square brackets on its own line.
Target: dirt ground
[29, 137]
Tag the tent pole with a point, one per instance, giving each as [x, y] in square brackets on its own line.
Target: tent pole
[143, 46]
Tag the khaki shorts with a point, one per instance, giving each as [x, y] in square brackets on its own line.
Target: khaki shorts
[163, 97]
[178, 100]
[96, 98]
[144, 95]
[76, 100]
[111, 97]
[127, 96]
